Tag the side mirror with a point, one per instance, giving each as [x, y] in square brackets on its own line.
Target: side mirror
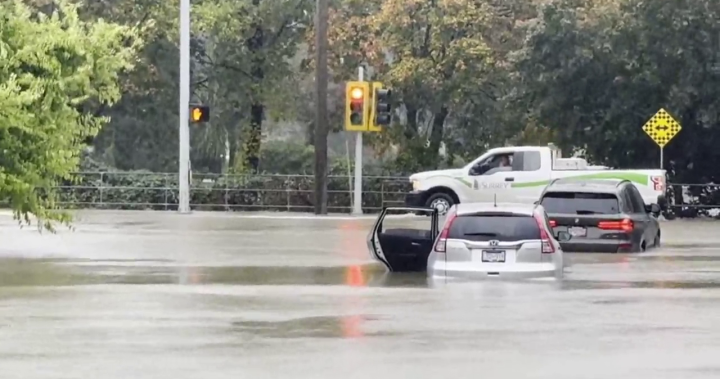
[655, 209]
[479, 169]
[563, 236]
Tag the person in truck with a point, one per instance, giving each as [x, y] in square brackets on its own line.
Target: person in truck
[504, 161]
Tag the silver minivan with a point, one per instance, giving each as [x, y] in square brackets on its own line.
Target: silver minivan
[477, 240]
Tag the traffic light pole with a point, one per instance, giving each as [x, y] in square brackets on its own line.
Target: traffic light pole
[357, 188]
[184, 132]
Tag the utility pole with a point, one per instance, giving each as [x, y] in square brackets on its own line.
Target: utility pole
[184, 154]
[357, 188]
[321, 119]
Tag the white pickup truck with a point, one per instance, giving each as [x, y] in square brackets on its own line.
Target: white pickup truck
[519, 174]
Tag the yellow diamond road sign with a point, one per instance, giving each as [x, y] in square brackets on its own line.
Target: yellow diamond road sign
[662, 127]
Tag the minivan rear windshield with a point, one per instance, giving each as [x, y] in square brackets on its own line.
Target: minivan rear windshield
[581, 203]
[494, 227]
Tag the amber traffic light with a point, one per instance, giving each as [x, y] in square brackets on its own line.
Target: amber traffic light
[199, 113]
[357, 111]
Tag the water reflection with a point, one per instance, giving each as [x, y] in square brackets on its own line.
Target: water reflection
[17, 272]
[307, 327]
[665, 284]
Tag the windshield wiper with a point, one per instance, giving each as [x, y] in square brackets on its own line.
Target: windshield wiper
[482, 234]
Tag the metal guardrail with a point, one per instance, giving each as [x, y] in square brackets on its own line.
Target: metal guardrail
[132, 190]
[697, 200]
[141, 190]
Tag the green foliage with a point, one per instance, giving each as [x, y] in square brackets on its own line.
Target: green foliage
[595, 72]
[51, 67]
[466, 75]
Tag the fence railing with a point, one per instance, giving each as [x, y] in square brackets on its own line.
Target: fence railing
[110, 190]
[690, 200]
[138, 190]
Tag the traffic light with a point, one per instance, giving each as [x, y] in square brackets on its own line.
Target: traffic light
[199, 113]
[382, 110]
[357, 113]
[381, 115]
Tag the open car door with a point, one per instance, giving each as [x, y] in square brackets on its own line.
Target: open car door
[404, 249]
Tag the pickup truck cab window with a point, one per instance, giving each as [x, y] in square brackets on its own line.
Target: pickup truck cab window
[495, 163]
[532, 161]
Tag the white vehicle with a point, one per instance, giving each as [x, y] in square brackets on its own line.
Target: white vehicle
[519, 174]
[477, 241]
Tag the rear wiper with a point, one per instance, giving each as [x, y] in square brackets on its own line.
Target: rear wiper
[586, 212]
[481, 234]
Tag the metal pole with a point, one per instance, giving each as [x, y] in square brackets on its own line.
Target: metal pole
[321, 119]
[184, 154]
[357, 204]
[661, 157]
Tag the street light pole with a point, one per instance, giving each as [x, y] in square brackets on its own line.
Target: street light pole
[321, 120]
[184, 130]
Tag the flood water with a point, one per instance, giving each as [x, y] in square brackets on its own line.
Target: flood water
[160, 295]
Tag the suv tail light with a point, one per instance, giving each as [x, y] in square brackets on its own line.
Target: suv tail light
[441, 244]
[553, 223]
[625, 225]
[547, 246]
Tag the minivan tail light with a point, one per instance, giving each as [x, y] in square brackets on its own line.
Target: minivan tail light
[553, 223]
[547, 246]
[626, 225]
[441, 244]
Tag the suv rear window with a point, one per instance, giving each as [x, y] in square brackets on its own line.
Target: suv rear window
[484, 227]
[580, 203]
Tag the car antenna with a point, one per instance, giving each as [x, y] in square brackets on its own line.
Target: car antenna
[495, 200]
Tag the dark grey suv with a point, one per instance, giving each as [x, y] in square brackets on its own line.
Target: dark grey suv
[602, 215]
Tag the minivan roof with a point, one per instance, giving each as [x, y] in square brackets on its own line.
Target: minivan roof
[464, 209]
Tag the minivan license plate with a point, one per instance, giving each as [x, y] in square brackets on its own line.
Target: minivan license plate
[493, 256]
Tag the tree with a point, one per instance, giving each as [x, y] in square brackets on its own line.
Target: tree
[595, 72]
[254, 41]
[51, 68]
[446, 62]
[143, 128]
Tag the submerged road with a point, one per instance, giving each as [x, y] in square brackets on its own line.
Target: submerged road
[159, 295]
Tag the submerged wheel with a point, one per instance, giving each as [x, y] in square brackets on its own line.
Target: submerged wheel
[440, 201]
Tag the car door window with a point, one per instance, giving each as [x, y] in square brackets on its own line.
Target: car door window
[637, 200]
[531, 161]
[495, 163]
[501, 163]
[627, 201]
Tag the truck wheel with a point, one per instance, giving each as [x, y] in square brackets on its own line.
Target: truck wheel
[440, 201]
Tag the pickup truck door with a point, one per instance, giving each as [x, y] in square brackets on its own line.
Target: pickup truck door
[406, 249]
[522, 181]
[492, 181]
